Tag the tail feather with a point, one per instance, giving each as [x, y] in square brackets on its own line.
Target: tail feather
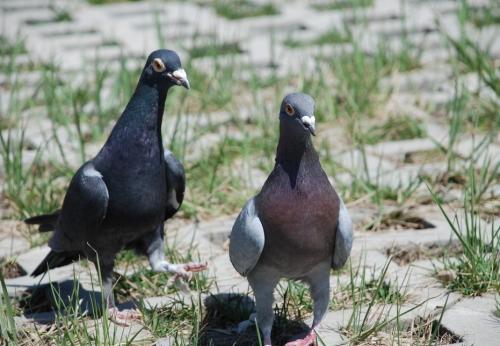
[47, 223]
[54, 260]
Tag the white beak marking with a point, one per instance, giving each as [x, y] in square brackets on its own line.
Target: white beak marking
[309, 120]
[179, 74]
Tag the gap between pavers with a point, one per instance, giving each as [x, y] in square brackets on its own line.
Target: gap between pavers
[473, 319]
[334, 321]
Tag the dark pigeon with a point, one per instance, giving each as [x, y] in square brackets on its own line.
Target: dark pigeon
[122, 197]
[297, 227]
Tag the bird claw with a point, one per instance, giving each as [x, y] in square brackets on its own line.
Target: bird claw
[195, 267]
[184, 270]
[308, 340]
[180, 270]
[125, 317]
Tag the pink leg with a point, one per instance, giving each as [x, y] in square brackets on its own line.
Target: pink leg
[183, 270]
[125, 317]
[308, 340]
[319, 280]
[195, 267]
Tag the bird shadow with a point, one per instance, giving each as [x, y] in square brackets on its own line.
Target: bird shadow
[223, 313]
[42, 303]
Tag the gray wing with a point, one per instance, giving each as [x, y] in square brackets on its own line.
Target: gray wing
[247, 239]
[176, 184]
[343, 238]
[83, 210]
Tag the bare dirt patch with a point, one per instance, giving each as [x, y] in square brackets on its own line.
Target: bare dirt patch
[424, 156]
[11, 269]
[399, 220]
[430, 331]
[404, 255]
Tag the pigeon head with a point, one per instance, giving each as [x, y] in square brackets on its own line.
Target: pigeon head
[163, 68]
[297, 114]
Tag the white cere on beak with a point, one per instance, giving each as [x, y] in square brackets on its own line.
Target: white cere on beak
[180, 74]
[180, 78]
[309, 120]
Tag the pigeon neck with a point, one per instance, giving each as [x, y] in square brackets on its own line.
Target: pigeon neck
[144, 111]
[292, 151]
[139, 127]
[155, 104]
[292, 148]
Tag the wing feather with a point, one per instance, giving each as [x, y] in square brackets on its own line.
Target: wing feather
[343, 238]
[83, 210]
[247, 239]
[176, 184]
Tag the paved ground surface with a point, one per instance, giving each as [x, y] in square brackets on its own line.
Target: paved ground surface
[106, 32]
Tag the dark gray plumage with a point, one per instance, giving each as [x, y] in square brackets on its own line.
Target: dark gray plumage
[297, 226]
[121, 198]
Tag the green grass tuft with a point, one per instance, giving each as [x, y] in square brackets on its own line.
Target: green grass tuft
[477, 270]
[485, 16]
[332, 36]
[8, 332]
[341, 4]
[7, 48]
[103, 2]
[395, 128]
[372, 316]
[367, 285]
[238, 9]
[214, 50]
[176, 319]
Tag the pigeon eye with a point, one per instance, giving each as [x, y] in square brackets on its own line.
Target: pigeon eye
[158, 65]
[289, 110]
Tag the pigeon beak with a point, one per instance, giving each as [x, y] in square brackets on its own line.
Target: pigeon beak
[179, 77]
[309, 122]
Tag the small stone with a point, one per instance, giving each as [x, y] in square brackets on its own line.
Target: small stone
[446, 275]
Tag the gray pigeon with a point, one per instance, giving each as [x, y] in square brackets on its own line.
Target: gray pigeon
[121, 198]
[297, 227]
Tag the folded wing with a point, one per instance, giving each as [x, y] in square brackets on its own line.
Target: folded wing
[343, 238]
[84, 209]
[247, 239]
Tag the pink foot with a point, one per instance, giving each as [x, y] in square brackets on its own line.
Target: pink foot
[195, 267]
[125, 317]
[183, 270]
[309, 340]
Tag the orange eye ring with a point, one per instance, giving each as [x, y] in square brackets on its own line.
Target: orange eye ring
[158, 65]
[289, 110]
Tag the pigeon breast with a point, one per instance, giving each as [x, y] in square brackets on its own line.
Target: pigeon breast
[299, 210]
[133, 166]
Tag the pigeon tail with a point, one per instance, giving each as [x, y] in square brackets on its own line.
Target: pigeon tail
[46, 223]
[55, 260]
